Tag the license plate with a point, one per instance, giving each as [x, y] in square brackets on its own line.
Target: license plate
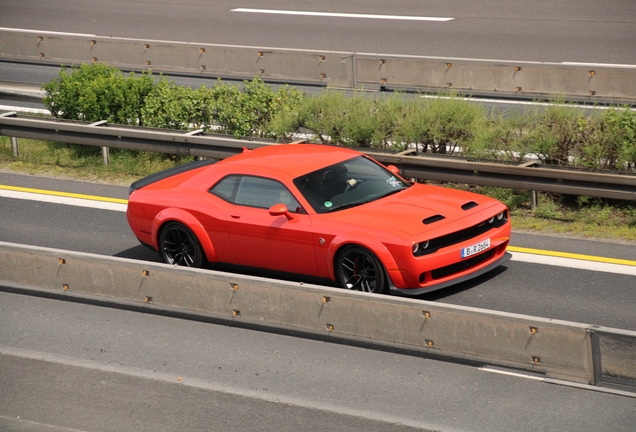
[475, 249]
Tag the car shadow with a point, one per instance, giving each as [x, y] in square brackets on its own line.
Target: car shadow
[271, 274]
[464, 286]
[140, 252]
[143, 253]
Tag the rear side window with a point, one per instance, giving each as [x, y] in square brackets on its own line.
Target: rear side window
[226, 188]
[255, 192]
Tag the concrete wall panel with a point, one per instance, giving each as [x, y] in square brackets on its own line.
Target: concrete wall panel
[558, 349]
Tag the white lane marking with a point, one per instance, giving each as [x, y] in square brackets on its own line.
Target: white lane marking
[342, 15]
[46, 32]
[530, 103]
[36, 425]
[78, 202]
[614, 65]
[305, 401]
[515, 374]
[574, 263]
[23, 109]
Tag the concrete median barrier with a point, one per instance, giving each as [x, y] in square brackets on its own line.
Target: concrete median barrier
[614, 357]
[239, 62]
[349, 70]
[560, 350]
[522, 79]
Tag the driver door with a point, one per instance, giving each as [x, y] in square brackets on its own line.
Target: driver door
[261, 240]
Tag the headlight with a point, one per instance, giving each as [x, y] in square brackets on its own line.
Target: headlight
[419, 247]
[491, 220]
[500, 216]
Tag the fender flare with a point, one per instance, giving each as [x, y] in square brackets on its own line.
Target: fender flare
[187, 219]
[391, 269]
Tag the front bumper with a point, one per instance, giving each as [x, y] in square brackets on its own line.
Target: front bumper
[417, 291]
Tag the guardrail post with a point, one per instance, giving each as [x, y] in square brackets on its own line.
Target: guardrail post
[534, 196]
[534, 199]
[106, 156]
[105, 150]
[15, 150]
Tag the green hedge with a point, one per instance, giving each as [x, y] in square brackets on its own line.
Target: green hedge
[560, 134]
[98, 92]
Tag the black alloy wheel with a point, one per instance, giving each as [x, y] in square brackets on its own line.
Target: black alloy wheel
[179, 246]
[359, 269]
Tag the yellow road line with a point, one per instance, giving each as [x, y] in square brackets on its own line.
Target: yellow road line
[572, 255]
[64, 194]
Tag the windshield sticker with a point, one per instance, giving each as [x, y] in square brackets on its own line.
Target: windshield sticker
[393, 182]
[328, 204]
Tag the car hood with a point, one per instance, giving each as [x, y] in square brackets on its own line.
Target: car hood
[408, 210]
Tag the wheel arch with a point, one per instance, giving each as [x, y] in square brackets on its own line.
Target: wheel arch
[189, 220]
[371, 243]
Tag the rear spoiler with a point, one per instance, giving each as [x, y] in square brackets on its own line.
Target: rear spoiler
[152, 178]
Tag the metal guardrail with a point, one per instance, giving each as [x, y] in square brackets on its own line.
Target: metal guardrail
[352, 70]
[417, 166]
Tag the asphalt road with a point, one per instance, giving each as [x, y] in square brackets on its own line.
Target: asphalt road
[68, 367]
[543, 30]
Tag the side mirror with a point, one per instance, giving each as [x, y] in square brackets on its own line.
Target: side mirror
[280, 210]
[393, 169]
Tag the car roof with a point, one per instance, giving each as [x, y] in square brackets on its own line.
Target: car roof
[292, 159]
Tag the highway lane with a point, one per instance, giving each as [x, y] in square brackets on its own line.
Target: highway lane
[587, 296]
[82, 367]
[65, 365]
[567, 31]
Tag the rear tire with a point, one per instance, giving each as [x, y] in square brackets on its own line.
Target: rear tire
[359, 269]
[179, 246]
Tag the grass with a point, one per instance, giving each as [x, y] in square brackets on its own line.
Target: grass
[579, 216]
[82, 162]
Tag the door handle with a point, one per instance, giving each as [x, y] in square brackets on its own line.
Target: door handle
[235, 215]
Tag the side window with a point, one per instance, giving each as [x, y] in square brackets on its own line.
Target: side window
[264, 193]
[226, 188]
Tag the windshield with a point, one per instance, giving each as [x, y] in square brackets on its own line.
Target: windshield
[347, 184]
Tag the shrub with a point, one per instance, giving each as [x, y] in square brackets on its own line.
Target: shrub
[97, 92]
[553, 137]
[222, 108]
[559, 134]
[507, 136]
[449, 124]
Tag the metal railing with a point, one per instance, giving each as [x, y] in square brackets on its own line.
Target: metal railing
[411, 164]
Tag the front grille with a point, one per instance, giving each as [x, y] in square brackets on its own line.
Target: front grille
[462, 265]
[462, 235]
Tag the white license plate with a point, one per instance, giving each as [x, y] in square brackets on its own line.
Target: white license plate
[475, 249]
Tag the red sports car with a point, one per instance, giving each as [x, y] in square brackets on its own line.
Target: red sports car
[322, 211]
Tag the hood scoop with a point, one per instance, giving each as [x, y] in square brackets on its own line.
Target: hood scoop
[469, 205]
[432, 219]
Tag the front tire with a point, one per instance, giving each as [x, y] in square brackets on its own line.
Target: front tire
[179, 246]
[359, 269]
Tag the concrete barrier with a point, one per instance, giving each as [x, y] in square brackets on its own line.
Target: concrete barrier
[614, 357]
[558, 349]
[242, 62]
[505, 77]
[329, 68]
